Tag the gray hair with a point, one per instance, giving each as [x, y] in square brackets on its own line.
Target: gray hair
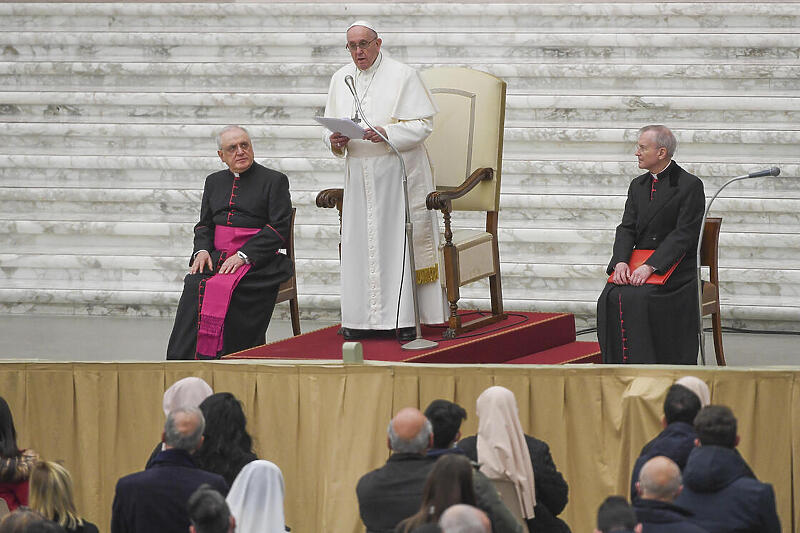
[175, 439]
[228, 128]
[650, 485]
[418, 444]
[664, 138]
[462, 518]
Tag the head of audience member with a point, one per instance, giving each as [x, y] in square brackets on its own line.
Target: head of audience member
[660, 479]
[189, 391]
[697, 386]
[256, 498]
[715, 425]
[235, 148]
[8, 433]
[446, 418]
[208, 512]
[615, 515]
[363, 44]
[20, 521]
[51, 494]
[227, 446]
[449, 483]
[655, 148]
[45, 526]
[680, 405]
[183, 429]
[409, 432]
[462, 518]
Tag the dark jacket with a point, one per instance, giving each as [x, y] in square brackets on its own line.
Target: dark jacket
[155, 499]
[551, 489]
[724, 495]
[675, 442]
[662, 517]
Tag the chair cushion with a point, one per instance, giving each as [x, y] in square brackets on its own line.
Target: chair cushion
[475, 257]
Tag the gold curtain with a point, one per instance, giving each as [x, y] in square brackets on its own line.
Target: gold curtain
[324, 424]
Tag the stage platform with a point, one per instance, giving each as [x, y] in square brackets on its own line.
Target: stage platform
[522, 338]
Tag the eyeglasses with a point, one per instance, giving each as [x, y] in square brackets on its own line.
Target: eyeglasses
[352, 47]
[233, 148]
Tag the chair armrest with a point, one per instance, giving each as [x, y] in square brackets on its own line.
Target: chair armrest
[442, 199]
[330, 198]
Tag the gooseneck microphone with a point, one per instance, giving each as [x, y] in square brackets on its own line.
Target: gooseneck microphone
[774, 171]
[351, 84]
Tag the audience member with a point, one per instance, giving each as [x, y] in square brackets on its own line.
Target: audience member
[45, 526]
[51, 495]
[186, 392]
[20, 521]
[15, 464]
[697, 386]
[446, 418]
[615, 515]
[256, 498]
[449, 483]
[155, 499]
[227, 446]
[505, 452]
[719, 487]
[461, 518]
[658, 486]
[209, 512]
[676, 441]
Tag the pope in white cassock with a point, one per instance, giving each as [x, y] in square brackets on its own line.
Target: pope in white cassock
[396, 102]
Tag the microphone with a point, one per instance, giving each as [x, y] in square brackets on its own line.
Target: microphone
[348, 80]
[774, 171]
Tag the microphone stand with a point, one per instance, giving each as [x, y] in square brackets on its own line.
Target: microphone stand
[419, 343]
[774, 171]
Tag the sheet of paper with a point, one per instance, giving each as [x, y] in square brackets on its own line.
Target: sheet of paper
[345, 126]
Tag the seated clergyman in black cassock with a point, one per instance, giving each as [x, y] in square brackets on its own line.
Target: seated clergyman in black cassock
[638, 321]
[230, 291]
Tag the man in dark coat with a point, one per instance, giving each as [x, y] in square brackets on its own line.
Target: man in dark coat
[719, 487]
[676, 441]
[235, 271]
[658, 486]
[156, 499]
[640, 322]
[615, 515]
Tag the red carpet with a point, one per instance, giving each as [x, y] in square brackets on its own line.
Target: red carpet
[523, 338]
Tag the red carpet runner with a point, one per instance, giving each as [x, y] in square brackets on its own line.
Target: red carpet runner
[523, 338]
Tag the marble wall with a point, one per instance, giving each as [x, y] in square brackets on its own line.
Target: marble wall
[108, 114]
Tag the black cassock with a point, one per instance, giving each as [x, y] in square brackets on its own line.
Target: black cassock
[655, 323]
[258, 198]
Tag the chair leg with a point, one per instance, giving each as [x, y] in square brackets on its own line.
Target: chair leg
[294, 311]
[716, 328]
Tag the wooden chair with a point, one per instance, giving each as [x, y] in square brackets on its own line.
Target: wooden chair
[508, 495]
[709, 256]
[466, 150]
[288, 289]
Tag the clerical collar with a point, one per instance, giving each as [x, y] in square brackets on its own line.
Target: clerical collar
[660, 174]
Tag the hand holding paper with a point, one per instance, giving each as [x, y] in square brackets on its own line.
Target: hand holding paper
[345, 126]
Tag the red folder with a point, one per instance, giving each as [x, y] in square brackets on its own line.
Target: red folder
[640, 257]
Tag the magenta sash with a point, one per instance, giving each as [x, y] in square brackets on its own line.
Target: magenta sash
[218, 291]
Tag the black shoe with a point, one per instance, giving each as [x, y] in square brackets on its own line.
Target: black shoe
[406, 334]
[351, 334]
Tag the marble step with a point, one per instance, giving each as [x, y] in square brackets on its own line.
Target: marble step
[397, 17]
[531, 140]
[433, 45]
[213, 108]
[602, 174]
[778, 78]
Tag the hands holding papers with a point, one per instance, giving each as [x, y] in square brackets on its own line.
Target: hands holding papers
[345, 129]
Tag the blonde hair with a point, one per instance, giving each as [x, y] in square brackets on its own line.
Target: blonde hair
[51, 494]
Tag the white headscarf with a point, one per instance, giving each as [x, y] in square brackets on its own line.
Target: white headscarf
[502, 450]
[187, 392]
[256, 499]
[697, 386]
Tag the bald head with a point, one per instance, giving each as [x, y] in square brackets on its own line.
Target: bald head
[660, 479]
[410, 431]
[463, 518]
[184, 429]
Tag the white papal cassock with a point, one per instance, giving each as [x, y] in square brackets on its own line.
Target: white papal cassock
[392, 96]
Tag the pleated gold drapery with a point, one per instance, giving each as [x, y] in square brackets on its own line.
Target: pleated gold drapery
[324, 424]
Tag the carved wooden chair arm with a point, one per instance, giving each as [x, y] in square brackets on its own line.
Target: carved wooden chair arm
[442, 199]
[330, 198]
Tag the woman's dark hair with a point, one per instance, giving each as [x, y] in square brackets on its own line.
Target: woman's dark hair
[8, 433]
[227, 446]
[449, 482]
